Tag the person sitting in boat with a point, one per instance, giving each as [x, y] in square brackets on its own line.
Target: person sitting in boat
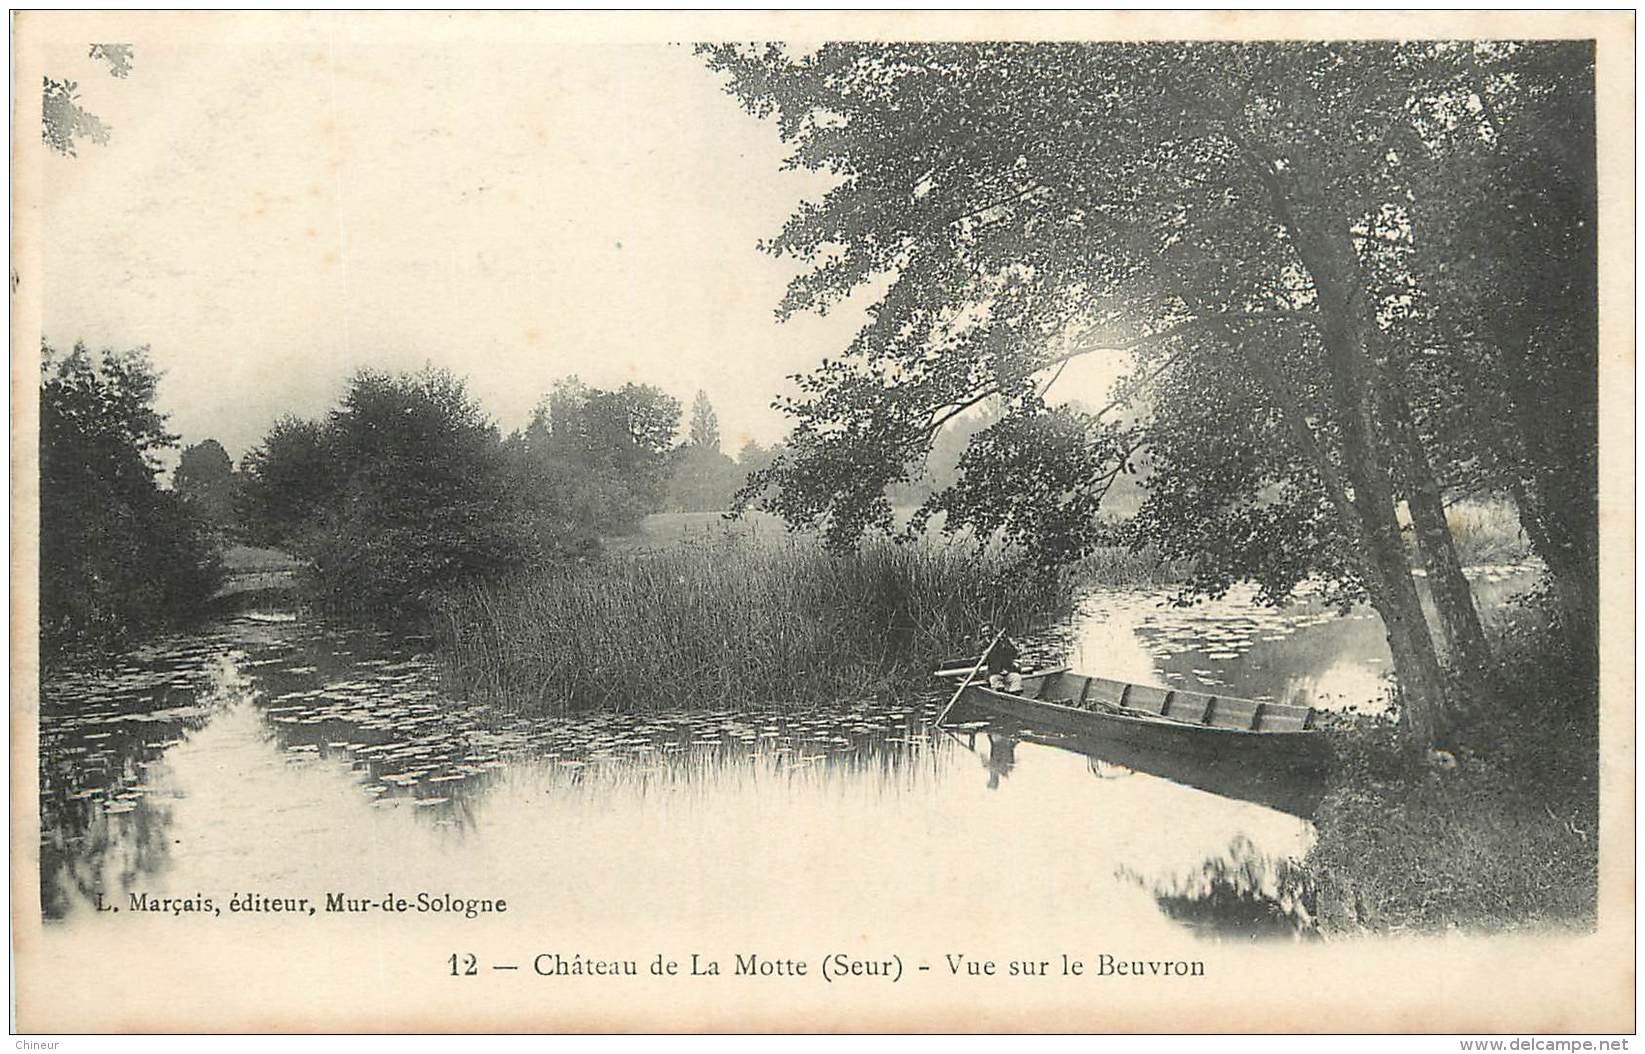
[1003, 673]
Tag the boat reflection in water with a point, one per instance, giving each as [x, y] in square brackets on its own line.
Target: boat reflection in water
[1240, 893]
[1289, 791]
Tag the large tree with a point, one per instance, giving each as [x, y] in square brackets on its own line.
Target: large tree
[118, 555]
[1214, 208]
[1502, 329]
[401, 493]
[205, 478]
[423, 501]
[290, 483]
[701, 479]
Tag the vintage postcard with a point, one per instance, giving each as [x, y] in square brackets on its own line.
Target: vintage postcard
[822, 522]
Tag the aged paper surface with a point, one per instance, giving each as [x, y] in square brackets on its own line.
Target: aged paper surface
[343, 86]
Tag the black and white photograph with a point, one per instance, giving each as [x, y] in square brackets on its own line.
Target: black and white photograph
[891, 522]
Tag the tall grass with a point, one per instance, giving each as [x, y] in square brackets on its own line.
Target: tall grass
[1487, 532]
[1117, 565]
[732, 625]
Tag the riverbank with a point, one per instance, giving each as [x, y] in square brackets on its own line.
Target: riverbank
[1504, 838]
[250, 572]
[733, 624]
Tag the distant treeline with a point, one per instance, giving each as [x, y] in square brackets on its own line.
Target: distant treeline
[407, 488]
[403, 490]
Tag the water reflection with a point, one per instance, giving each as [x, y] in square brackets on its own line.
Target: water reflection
[1306, 653]
[287, 759]
[1242, 892]
[1001, 759]
[284, 756]
[1288, 791]
[265, 713]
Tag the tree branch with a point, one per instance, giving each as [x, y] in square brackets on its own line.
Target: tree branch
[1063, 365]
[1289, 403]
[942, 414]
[1008, 200]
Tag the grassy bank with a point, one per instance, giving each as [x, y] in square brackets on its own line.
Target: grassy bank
[1506, 838]
[664, 530]
[731, 624]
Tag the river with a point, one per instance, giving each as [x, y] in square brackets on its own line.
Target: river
[273, 755]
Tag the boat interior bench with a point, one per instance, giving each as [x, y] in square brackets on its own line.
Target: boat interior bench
[1072, 689]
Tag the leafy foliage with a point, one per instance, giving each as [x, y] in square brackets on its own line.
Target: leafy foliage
[118, 58]
[118, 555]
[204, 478]
[1505, 344]
[401, 494]
[1226, 494]
[291, 484]
[64, 120]
[595, 462]
[1065, 456]
[423, 501]
[1031, 203]
[1241, 220]
[700, 479]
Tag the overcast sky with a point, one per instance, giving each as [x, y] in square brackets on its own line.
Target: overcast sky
[270, 216]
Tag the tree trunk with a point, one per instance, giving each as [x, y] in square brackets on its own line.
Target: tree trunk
[1425, 715]
[1346, 323]
[1326, 249]
[1452, 593]
[1565, 536]
[1530, 520]
[1407, 627]
[1558, 485]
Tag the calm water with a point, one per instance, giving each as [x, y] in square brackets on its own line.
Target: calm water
[276, 756]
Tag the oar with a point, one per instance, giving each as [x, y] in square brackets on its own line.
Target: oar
[967, 682]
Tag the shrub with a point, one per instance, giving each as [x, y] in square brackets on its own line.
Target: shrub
[424, 503]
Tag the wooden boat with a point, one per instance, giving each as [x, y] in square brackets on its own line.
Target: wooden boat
[1275, 735]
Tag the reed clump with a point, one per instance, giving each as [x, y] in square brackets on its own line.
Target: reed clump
[1487, 532]
[732, 624]
[1118, 565]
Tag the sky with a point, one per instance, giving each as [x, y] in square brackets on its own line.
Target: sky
[271, 215]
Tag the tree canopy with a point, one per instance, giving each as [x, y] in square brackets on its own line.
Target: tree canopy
[1243, 220]
[593, 461]
[63, 121]
[400, 493]
[205, 478]
[118, 555]
[289, 483]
